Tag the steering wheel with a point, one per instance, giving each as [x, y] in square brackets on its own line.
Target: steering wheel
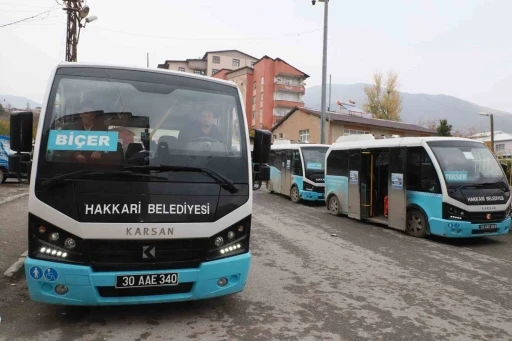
[204, 139]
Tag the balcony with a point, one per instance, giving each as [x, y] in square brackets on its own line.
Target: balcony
[290, 88]
[289, 104]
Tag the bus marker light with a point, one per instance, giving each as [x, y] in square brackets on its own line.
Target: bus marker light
[61, 289]
[222, 282]
[240, 228]
[64, 255]
[48, 251]
[42, 229]
[219, 241]
[43, 249]
[70, 243]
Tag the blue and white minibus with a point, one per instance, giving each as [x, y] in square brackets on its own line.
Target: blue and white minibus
[297, 170]
[445, 186]
[141, 187]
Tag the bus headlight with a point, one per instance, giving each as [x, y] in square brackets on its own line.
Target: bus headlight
[230, 242]
[48, 242]
[308, 186]
[453, 213]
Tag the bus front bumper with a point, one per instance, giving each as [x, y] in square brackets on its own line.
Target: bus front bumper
[312, 196]
[88, 288]
[465, 229]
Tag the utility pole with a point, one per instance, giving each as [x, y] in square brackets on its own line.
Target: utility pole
[148, 58]
[76, 13]
[324, 70]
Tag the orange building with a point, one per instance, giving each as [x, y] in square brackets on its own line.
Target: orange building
[271, 88]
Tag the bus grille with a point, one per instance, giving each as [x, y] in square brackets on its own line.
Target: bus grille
[127, 255]
[481, 217]
[181, 288]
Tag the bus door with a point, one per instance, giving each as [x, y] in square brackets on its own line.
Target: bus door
[354, 198]
[288, 171]
[397, 209]
[366, 184]
[276, 183]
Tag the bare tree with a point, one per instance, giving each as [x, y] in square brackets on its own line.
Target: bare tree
[384, 101]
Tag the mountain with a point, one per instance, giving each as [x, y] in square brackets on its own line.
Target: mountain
[419, 108]
[17, 102]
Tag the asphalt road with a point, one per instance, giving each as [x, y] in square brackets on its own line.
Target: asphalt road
[365, 283]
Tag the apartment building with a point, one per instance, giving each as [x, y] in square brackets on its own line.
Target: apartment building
[212, 62]
[271, 88]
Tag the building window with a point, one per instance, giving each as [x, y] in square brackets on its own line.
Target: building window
[262, 80]
[214, 71]
[280, 135]
[253, 99]
[236, 62]
[182, 69]
[500, 147]
[261, 114]
[216, 59]
[253, 114]
[347, 132]
[252, 64]
[254, 85]
[304, 135]
[198, 72]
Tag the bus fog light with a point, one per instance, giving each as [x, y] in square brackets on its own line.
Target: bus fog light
[219, 241]
[54, 236]
[222, 282]
[70, 243]
[61, 289]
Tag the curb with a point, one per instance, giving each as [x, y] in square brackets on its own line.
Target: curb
[11, 198]
[17, 267]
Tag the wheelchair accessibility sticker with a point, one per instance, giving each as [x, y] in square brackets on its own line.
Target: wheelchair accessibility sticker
[455, 225]
[49, 274]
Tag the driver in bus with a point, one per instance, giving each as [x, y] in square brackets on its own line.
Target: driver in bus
[205, 128]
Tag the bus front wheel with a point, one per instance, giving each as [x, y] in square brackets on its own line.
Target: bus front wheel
[334, 205]
[294, 194]
[416, 224]
[3, 177]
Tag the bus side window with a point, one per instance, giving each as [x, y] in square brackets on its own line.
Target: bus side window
[272, 159]
[297, 163]
[278, 159]
[418, 180]
[337, 163]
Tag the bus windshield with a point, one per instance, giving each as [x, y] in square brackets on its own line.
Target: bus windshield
[111, 119]
[464, 162]
[314, 159]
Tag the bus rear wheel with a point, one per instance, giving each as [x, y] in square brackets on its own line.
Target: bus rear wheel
[334, 205]
[294, 194]
[416, 224]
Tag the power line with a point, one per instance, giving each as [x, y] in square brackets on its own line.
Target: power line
[205, 39]
[25, 19]
[11, 4]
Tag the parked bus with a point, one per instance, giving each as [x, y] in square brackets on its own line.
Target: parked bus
[451, 187]
[297, 170]
[117, 216]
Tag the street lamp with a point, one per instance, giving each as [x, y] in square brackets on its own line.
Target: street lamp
[483, 113]
[324, 68]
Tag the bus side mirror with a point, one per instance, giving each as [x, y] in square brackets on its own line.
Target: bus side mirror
[21, 131]
[20, 141]
[261, 150]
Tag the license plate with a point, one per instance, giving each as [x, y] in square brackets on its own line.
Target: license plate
[152, 280]
[488, 227]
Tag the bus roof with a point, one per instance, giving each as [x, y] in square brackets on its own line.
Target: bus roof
[395, 142]
[281, 146]
[145, 69]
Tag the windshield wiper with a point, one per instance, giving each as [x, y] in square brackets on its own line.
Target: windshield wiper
[82, 173]
[481, 185]
[219, 178]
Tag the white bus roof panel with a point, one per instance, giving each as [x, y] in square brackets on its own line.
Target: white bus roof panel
[395, 142]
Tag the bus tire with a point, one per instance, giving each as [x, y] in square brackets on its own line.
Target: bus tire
[3, 176]
[270, 187]
[416, 224]
[333, 205]
[294, 194]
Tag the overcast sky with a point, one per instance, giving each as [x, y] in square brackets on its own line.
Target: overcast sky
[455, 47]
